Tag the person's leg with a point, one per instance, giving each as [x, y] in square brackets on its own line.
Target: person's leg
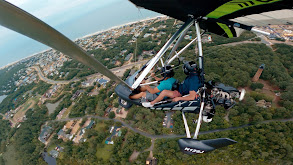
[137, 96]
[164, 93]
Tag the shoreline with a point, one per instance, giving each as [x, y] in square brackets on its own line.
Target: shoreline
[119, 26]
[85, 36]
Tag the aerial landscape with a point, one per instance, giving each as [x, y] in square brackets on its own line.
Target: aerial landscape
[58, 108]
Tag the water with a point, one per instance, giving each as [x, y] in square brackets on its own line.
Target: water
[48, 159]
[98, 19]
[2, 98]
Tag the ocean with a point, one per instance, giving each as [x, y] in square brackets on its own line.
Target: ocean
[2, 98]
[18, 46]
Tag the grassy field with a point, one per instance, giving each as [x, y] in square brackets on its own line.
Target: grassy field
[105, 152]
[29, 104]
[100, 126]
[9, 156]
[51, 147]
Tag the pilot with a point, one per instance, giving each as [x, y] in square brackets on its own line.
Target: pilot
[166, 82]
[189, 86]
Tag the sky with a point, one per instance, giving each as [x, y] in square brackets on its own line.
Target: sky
[63, 16]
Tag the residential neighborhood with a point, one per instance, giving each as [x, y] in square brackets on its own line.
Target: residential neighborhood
[76, 116]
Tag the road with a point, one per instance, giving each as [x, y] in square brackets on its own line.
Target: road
[169, 135]
[49, 81]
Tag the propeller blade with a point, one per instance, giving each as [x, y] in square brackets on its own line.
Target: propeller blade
[24, 23]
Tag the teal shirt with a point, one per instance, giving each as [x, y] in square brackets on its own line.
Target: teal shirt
[166, 84]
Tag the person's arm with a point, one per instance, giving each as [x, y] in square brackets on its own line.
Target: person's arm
[155, 77]
[151, 90]
[191, 96]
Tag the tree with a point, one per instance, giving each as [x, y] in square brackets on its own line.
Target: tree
[111, 115]
[255, 86]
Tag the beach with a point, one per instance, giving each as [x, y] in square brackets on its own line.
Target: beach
[79, 23]
[88, 35]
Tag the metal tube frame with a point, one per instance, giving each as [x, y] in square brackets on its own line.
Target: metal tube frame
[186, 126]
[199, 121]
[199, 45]
[177, 44]
[163, 50]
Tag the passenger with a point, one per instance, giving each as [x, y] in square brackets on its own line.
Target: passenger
[189, 86]
[148, 93]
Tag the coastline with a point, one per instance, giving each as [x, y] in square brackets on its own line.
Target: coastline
[118, 26]
[88, 35]
[30, 56]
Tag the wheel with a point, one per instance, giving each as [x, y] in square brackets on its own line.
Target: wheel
[124, 103]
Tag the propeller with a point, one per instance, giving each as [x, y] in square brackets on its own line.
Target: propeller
[24, 23]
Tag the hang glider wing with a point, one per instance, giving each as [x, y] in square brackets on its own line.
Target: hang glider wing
[24, 23]
[247, 12]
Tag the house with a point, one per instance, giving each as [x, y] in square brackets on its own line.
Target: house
[102, 81]
[147, 35]
[151, 161]
[149, 53]
[264, 104]
[45, 134]
[59, 116]
[54, 153]
[62, 135]
[128, 57]
[76, 94]
[90, 125]
[108, 110]
[115, 132]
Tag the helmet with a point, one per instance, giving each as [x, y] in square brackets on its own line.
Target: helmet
[189, 67]
[167, 71]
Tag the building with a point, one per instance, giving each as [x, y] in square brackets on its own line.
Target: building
[128, 57]
[45, 134]
[76, 94]
[102, 81]
[151, 161]
[115, 132]
[62, 135]
[258, 73]
[263, 104]
[54, 153]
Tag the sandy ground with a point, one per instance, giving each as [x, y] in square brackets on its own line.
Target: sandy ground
[134, 155]
[68, 124]
[269, 89]
[123, 115]
[76, 127]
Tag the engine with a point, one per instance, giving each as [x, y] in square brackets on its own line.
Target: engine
[225, 98]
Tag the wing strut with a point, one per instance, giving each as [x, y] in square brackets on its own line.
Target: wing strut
[199, 120]
[154, 60]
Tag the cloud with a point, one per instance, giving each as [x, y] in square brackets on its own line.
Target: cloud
[18, 2]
